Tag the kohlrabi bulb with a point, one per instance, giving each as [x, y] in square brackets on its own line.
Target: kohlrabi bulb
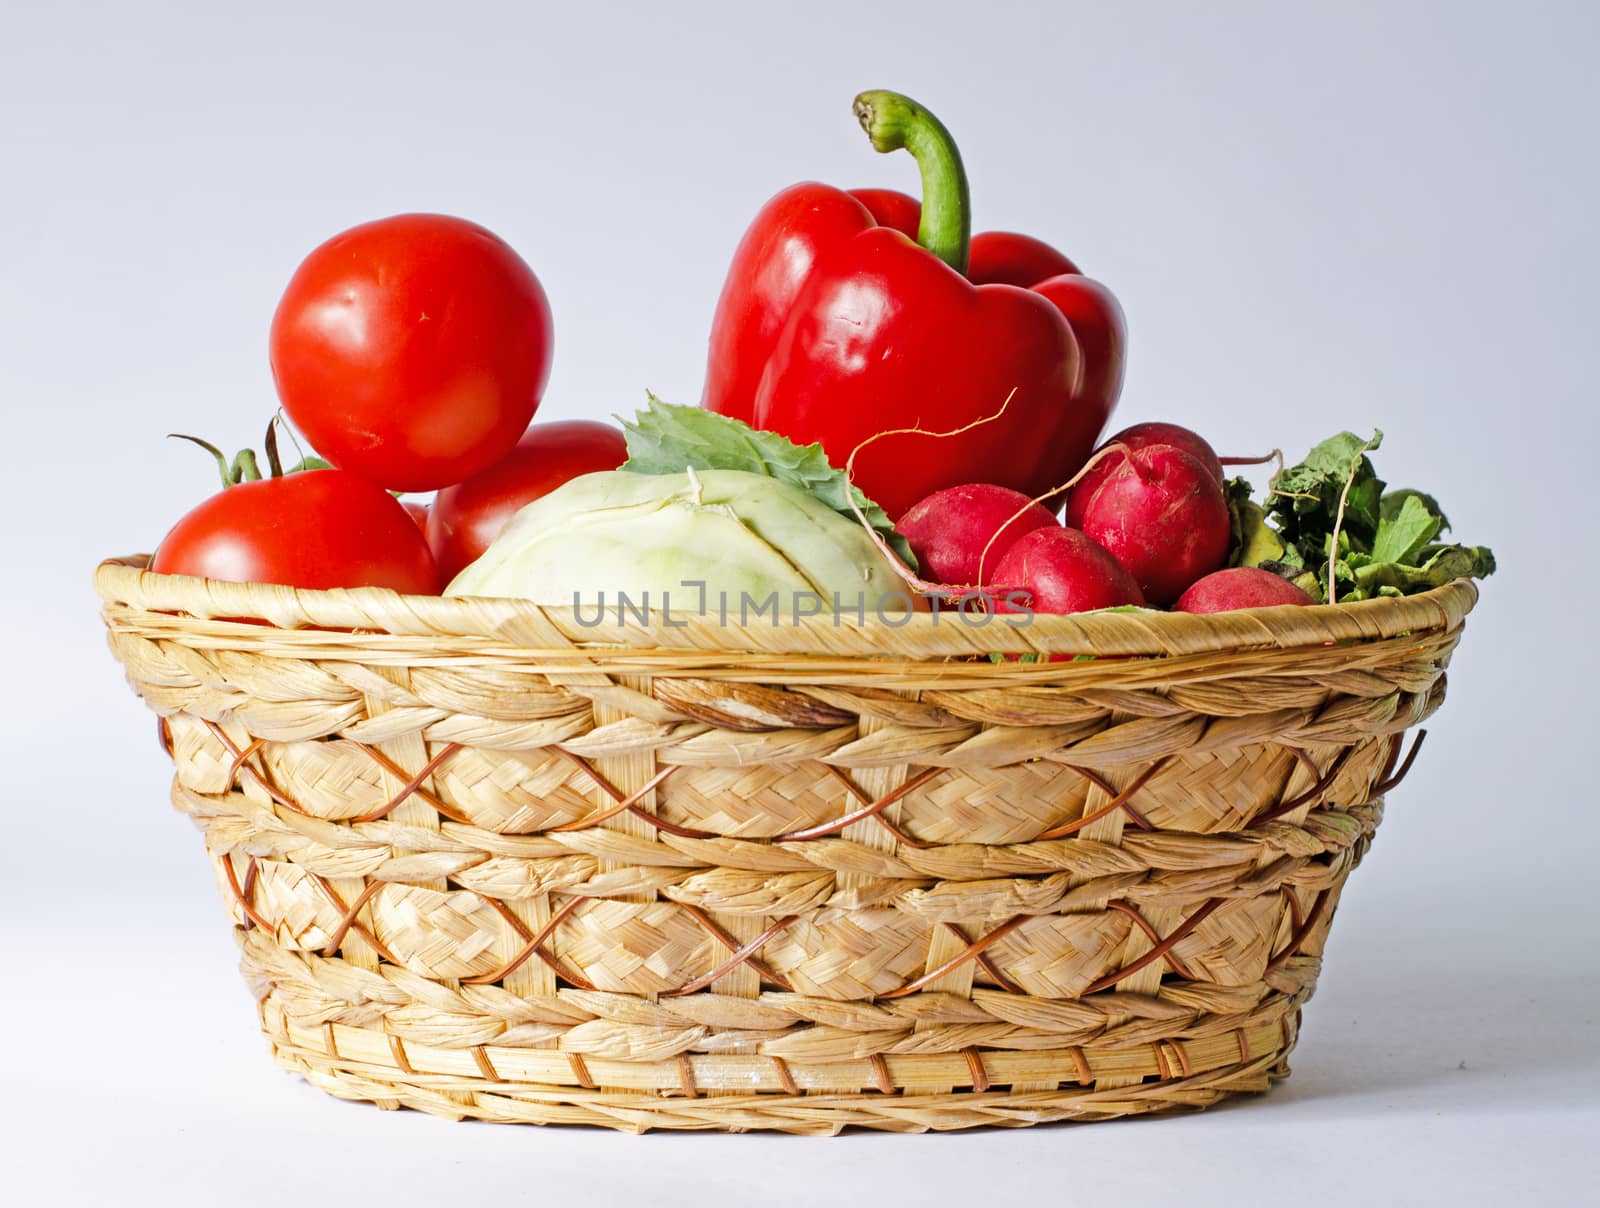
[617, 533]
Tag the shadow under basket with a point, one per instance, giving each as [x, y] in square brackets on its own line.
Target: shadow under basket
[493, 860]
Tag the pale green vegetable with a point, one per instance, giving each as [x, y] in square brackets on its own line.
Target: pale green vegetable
[665, 438]
[619, 533]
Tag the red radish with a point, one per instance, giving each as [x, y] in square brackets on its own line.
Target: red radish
[1160, 513]
[951, 530]
[1142, 436]
[1062, 570]
[1138, 438]
[1240, 587]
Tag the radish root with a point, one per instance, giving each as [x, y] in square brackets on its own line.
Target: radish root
[1276, 455]
[912, 580]
[1115, 446]
[923, 586]
[1338, 523]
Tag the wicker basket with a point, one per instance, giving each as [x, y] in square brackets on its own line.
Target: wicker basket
[488, 862]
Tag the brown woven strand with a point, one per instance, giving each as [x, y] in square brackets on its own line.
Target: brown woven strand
[485, 861]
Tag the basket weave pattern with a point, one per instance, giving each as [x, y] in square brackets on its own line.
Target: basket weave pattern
[484, 861]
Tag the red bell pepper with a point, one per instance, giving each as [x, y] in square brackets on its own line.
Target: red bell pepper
[834, 326]
[1008, 258]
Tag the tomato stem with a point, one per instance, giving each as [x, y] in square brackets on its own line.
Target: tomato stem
[273, 461]
[222, 462]
[244, 468]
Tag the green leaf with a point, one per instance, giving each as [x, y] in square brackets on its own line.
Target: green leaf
[1442, 564]
[1308, 582]
[1387, 544]
[1470, 561]
[1394, 500]
[665, 438]
[1305, 497]
[1361, 505]
[1292, 558]
[1402, 534]
[1253, 542]
[1331, 460]
[1335, 487]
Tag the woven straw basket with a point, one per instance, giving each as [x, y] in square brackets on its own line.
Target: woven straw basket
[488, 862]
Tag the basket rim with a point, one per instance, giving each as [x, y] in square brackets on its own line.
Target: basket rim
[216, 609]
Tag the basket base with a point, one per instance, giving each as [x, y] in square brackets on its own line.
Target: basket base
[480, 1098]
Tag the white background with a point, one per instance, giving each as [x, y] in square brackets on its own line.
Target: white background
[1349, 216]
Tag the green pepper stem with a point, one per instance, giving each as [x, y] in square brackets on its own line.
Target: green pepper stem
[893, 122]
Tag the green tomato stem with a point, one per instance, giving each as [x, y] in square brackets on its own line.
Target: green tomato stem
[223, 468]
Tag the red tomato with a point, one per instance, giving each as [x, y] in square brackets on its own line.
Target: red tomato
[465, 518]
[315, 529]
[418, 511]
[412, 350]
